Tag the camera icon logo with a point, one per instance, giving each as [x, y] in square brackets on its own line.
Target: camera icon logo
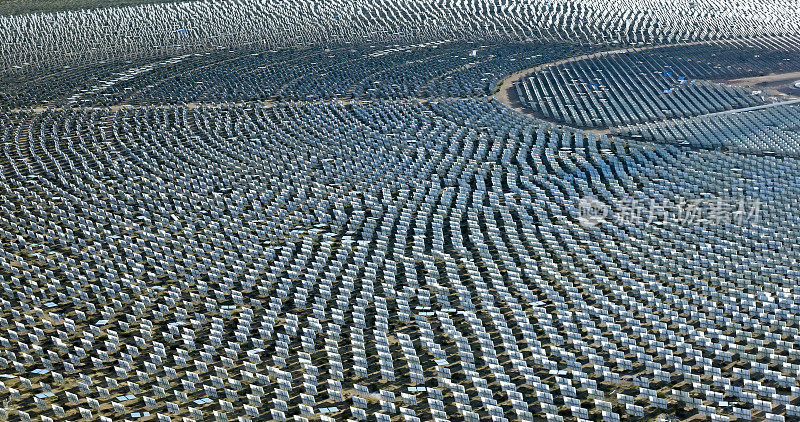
[592, 212]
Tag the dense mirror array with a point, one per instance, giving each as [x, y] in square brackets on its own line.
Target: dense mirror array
[414, 211]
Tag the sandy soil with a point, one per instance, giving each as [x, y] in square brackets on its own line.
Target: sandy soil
[781, 84]
[772, 77]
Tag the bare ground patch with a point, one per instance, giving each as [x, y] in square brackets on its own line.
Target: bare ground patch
[775, 83]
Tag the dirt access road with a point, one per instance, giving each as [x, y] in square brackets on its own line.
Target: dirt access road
[507, 94]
